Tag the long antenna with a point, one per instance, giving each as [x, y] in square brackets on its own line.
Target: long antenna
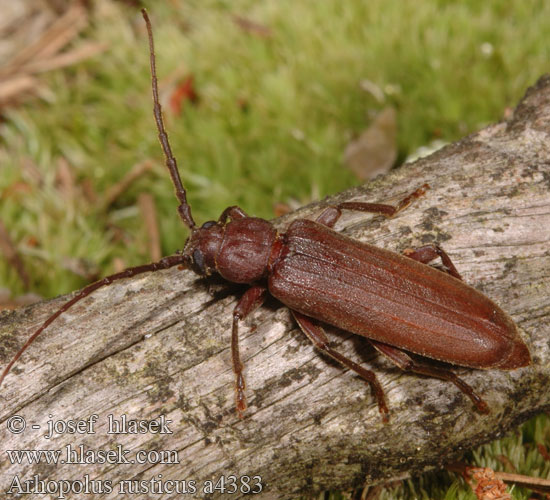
[164, 263]
[183, 209]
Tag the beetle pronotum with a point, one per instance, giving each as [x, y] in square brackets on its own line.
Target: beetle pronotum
[397, 302]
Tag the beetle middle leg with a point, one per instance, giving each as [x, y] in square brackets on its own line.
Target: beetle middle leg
[317, 335]
[406, 363]
[253, 298]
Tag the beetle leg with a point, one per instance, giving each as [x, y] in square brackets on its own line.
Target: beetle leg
[406, 363]
[430, 252]
[317, 335]
[253, 298]
[383, 209]
[329, 216]
[233, 212]
[332, 213]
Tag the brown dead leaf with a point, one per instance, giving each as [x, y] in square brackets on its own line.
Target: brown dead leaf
[544, 452]
[67, 58]
[15, 86]
[31, 172]
[65, 179]
[504, 460]
[89, 191]
[17, 190]
[118, 265]
[252, 27]
[280, 209]
[486, 485]
[375, 150]
[184, 91]
[485, 481]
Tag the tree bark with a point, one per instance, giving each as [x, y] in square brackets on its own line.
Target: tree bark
[159, 344]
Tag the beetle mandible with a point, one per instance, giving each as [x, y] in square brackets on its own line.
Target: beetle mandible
[398, 303]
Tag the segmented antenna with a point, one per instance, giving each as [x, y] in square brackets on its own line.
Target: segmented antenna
[164, 263]
[183, 209]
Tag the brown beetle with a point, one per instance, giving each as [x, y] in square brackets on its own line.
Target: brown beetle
[397, 302]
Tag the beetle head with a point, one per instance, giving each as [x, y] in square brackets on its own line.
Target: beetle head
[203, 246]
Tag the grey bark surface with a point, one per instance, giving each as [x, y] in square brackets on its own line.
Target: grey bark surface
[159, 344]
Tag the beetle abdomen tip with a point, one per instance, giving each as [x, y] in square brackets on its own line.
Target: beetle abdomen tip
[519, 356]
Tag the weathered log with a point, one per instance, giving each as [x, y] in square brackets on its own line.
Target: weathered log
[158, 344]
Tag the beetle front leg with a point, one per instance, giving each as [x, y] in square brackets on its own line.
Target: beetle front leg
[253, 298]
[317, 335]
[430, 252]
[406, 363]
[233, 212]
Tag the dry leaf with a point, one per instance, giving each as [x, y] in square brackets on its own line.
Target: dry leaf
[184, 91]
[486, 485]
[65, 179]
[375, 150]
[252, 27]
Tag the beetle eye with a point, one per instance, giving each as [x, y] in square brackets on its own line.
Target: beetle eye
[208, 224]
[198, 260]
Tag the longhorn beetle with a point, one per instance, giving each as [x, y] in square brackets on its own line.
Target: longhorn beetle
[397, 302]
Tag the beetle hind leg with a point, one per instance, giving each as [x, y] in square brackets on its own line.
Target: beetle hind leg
[406, 363]
[428, 253]
[317, 335]
[332, 213]
[382, 208]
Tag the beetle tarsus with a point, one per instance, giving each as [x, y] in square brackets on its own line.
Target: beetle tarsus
[240, 397]
[408, 364]
[329, 216]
